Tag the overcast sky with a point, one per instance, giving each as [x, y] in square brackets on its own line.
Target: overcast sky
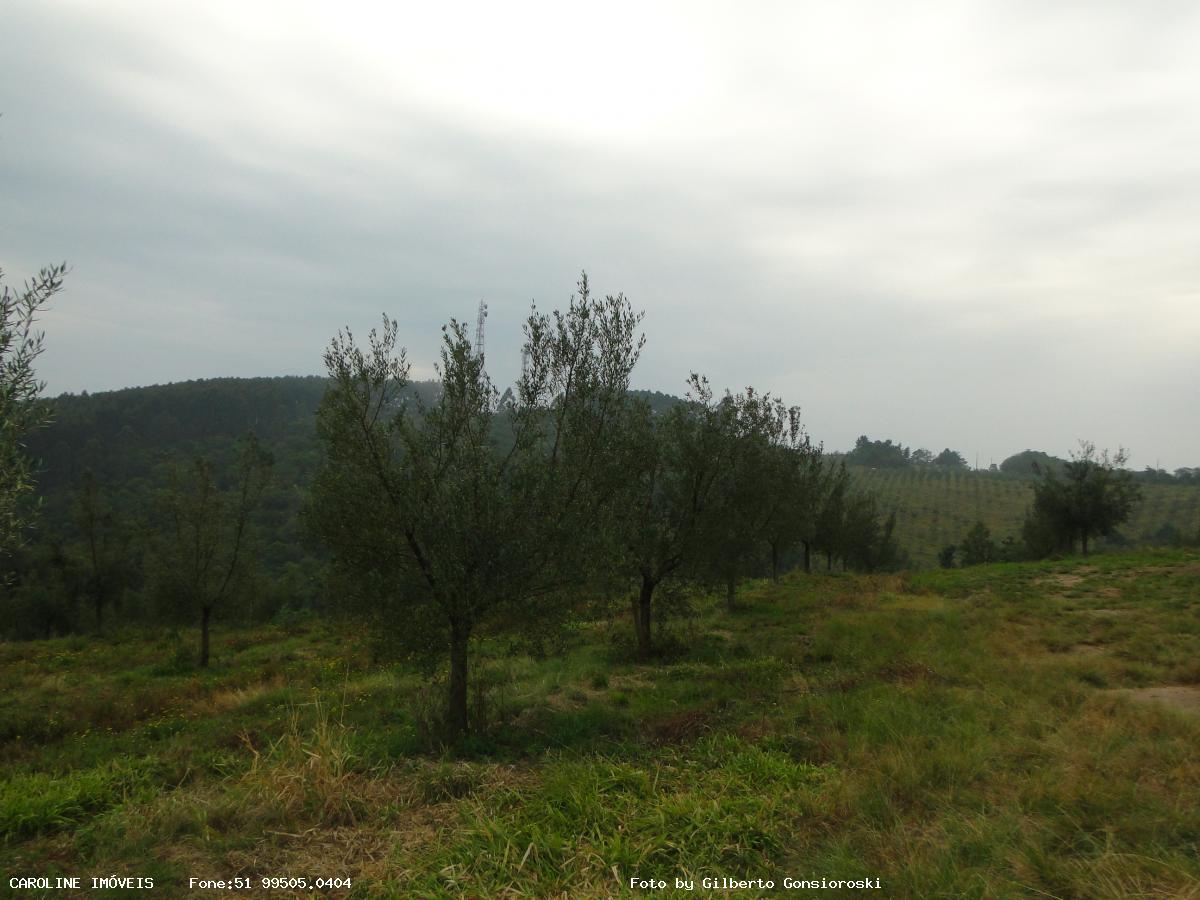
[973, 225]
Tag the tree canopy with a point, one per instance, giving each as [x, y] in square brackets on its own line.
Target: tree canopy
[1091, 495]
[21, 409]
[466, 515]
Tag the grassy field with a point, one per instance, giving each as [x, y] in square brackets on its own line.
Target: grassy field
[935, 507]
[1004, 731]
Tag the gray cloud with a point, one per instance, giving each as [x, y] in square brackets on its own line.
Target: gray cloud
[966, 225]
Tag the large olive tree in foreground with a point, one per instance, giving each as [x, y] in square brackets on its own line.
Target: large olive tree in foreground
[471, 514]
[21, 409]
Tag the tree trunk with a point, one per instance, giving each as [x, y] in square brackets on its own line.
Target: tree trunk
[1085, 539]
[807, 558]
[828, 560]
[775, 563]
[730, 593]
[98, 599]
[641, 616]
[205, 615]
[457, 723]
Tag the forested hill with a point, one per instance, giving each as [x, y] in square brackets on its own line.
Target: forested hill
[125, 437]
[123, 434]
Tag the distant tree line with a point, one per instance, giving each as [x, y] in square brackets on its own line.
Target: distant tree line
[1030, 463]
[888, 455]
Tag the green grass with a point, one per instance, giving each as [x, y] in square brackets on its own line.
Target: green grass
[954, 733]
[937, 507]
[40, 803]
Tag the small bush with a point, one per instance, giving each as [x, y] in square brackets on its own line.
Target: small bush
[449, 782]
[309, 769]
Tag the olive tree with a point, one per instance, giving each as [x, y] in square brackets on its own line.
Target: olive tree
[1089, 496]
[472, 513]
[201, 551]
[105, 559]
[829, 535]
[750, 501]
[977, 546]
[792, 474]
[21, 408]
[671, 494]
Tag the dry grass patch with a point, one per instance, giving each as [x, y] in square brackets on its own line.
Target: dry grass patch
[235, 698]
[1062, 579]
[915, 602]
[358, 853]
[629, 682]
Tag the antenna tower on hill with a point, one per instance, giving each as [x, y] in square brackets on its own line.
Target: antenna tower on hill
[479, 330]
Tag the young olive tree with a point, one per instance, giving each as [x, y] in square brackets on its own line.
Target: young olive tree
[764, 437]
[978, 547]
[106, 567]
[809, 489]
[868, 541]
[792, 473]
[671, 494]
[21, 409]
[202, 550]
[471, 514]
[829, 535]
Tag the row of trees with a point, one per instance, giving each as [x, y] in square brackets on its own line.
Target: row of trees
[191, 550]
[186, 544]
[479, 512]
[1031, 463]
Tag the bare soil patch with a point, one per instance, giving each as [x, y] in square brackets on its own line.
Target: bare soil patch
[1184, 698]
[681, 727]
[1069, 579]
[908, 672]
[1084, 650]
[1062, 579]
